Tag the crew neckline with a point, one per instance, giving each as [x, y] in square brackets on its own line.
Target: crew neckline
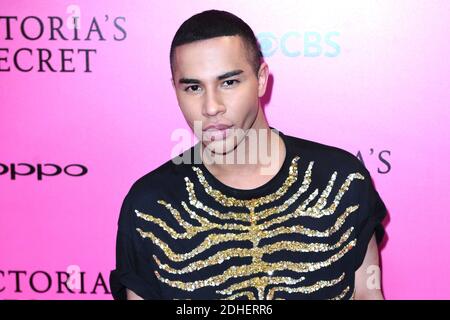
[274, 183]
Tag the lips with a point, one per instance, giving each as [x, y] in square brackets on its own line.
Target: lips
[216, 132]
[218, 126]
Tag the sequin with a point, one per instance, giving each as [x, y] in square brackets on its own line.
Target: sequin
[306, 289]
[247, 224]
[342, 294]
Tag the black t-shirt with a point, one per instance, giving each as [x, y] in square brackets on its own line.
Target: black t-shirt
[183, 234]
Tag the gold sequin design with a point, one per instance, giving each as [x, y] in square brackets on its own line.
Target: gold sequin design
[252, 203]
[342, 294]
[260, 283]
[227, 254]
[316, 211]
[306, 289]
[255, 232]
[251, 235]
[254, 268]
[250, 296]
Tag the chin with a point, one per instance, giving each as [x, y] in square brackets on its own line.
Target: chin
[221, 147]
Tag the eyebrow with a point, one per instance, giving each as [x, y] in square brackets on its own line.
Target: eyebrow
[221, 77]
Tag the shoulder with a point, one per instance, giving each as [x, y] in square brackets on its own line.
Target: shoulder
[158, 182]
[325, 157]
[332, 167]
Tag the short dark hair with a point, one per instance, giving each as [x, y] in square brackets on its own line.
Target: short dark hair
[216, 23]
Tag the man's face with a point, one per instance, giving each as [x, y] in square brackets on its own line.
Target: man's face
[216, 85]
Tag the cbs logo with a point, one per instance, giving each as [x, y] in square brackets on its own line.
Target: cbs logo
[295, 44]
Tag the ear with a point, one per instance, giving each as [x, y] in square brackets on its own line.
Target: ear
[263, 76]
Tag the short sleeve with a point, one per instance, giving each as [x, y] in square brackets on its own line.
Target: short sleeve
[133, 269]
[370, 214]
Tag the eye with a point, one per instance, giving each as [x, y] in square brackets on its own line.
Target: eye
[194, 88]
[231, 82]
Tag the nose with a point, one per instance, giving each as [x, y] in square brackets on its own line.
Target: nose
[213, 104]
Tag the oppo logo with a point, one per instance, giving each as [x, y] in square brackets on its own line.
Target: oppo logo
[41, 170]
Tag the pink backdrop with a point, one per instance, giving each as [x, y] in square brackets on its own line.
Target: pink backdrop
[371, 77]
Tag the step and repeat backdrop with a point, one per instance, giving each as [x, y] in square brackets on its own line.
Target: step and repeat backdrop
[87, 107]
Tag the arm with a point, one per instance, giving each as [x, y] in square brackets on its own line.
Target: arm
[132, 296]
[368, 276]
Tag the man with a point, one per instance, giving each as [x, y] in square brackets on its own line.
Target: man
[299, 221]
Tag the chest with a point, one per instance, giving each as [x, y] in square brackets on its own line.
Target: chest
[278, 255]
